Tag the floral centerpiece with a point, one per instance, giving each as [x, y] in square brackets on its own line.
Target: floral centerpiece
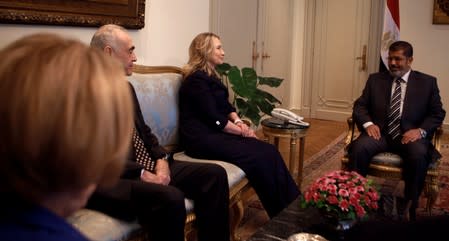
[343, 195]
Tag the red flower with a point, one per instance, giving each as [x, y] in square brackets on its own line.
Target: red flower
[344, 205]
[332, 200]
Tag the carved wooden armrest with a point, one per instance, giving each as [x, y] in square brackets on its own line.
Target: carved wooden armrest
[351, 132]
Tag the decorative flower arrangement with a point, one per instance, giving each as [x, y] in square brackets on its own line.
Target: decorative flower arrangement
[343, 194]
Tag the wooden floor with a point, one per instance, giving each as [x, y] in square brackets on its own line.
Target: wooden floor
[319, 134]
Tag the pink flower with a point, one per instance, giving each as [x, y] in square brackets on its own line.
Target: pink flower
[343, 193]
[360, 189]
[352, 191]
[332, 189]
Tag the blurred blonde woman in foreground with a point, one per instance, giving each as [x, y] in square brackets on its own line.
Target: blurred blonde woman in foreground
[65, 122]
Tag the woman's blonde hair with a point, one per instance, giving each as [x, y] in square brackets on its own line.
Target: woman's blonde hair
[200, 51]
[65, 117]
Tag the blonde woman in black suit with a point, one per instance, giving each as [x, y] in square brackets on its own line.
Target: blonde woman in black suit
[210, 128]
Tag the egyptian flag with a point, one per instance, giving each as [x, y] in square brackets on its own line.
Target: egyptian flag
[390, 31]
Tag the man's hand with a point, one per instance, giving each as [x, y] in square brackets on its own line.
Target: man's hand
[411, 136]
[161, 175]
[373, 131]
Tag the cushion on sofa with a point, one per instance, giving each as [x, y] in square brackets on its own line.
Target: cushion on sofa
[158, 98]
[235, 174]
[100, 227]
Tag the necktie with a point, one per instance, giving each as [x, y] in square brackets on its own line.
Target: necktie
[394, 114]
[141, 152]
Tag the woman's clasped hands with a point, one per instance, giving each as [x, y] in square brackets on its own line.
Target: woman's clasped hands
[246, 131]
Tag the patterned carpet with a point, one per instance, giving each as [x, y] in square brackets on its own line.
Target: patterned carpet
[328, 159]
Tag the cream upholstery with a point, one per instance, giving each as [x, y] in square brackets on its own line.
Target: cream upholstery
[387, 159]
[161, 94]
[234, 173]
[98, 226]
[157, 92]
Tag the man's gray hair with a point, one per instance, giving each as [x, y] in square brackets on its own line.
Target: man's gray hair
[106, 35]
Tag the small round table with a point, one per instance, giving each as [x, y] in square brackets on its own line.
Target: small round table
[275, 129]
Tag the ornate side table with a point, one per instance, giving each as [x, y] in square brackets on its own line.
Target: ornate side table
[274, 129]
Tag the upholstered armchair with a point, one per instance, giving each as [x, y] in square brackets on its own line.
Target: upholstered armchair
[388, 165]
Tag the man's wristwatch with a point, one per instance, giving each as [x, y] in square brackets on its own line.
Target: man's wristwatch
[423, 133]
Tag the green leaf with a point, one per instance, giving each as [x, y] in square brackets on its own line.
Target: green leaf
[242, 106]
[223, 68]
[265, 106]
[250, 78]
[253, 115]
[267, 96]
[270, 81]
[240, 86]
[250, 101]
[249, 110]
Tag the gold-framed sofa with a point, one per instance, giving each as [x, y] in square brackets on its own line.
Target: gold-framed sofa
[157, 90]
[389, 165]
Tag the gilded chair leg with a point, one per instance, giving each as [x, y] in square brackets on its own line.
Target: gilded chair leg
[236, 216]
[431, 191]
[190, 232]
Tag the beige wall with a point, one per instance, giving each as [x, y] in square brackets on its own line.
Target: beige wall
[170, 25]
[430, 42]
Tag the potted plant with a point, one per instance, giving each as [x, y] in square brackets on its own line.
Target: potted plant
[250, 101]
[343, 194]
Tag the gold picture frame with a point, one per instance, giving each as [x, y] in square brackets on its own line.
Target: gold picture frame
[91, 13]
[441, 12]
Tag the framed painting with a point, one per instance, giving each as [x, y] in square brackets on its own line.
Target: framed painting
[92, 13]
[441, 12]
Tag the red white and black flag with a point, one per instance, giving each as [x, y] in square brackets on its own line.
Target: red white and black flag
[390, 31]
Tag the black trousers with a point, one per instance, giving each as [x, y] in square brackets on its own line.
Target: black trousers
[161, 210]
[261, 162]
[415, 155]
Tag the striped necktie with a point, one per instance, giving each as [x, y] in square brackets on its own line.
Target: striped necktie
[141, 153]
[394, 114]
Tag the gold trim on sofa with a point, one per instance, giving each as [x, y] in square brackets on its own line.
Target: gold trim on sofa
[143, 69]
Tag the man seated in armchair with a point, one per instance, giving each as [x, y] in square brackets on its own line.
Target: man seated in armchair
[398, 112]
[154, 194]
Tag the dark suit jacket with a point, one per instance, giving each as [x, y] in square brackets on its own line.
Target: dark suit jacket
[211, 108]
[422, 106]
